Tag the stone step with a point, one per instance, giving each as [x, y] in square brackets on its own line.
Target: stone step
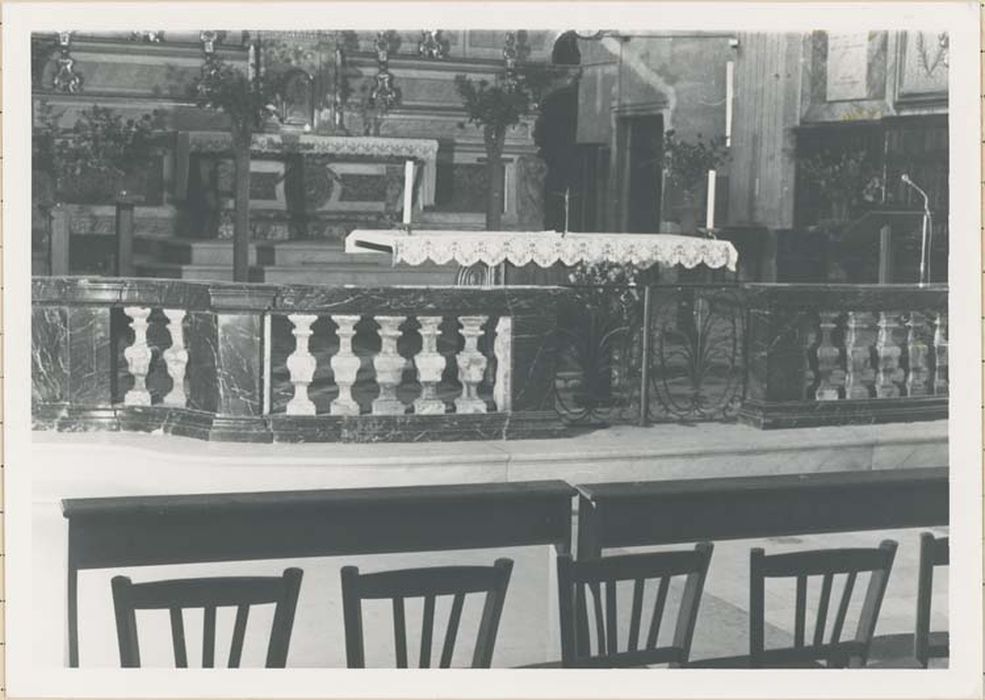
[358, 274]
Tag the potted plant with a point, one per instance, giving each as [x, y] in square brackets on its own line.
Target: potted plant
[496, 106]
[248, 102]
[841, 183]
[685, 166]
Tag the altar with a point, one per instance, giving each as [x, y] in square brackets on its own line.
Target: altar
[543, 248]
[305, 185]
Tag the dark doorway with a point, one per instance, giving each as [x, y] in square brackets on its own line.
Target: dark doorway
[641, 156]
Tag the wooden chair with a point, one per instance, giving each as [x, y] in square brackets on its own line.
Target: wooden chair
[240, 592]
[826, 563]
[926, 644]
[574, 577]
[427, 583]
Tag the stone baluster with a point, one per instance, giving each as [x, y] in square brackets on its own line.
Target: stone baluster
[830, 376]
[389, 366]
[859, 373]
[176, 358]
[430, 364]
[138, 357]
[503, 351]
[940, 355]
[918, 373]
[345, 365]
[471, 366]
[301, 364]
[888, 352]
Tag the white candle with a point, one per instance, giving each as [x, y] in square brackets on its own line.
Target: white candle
[729, 94]
[408, 189]
[710, 214]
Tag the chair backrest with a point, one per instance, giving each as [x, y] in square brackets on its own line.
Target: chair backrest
[934, 552]
[428, 583]
[210, 594]
[578, 579]
[826, 563]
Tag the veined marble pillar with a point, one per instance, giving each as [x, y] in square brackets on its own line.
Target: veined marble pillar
[430, 364]
[138, 357]
[389, 366]
[301, 364]
[471, 366]
[345, 365]
[830, 375]
[918, 373]
[176, 358]
[859, 374]
[503, 350]
[889, 355]
[940, 355]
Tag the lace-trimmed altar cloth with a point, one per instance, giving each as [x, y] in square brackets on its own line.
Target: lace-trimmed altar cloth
[545, 248]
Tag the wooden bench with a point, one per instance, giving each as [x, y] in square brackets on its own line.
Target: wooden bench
[151, 530]
[634, 514]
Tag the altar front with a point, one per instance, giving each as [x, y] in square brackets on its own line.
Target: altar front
[544, 248]
[303, 185]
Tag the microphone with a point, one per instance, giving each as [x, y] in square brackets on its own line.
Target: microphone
[927, 230]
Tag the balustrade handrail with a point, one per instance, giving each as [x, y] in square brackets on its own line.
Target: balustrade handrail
[536, 358]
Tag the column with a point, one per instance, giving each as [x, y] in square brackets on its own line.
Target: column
[940, 355]
[430, 365]
[918, 373]
[138, 357]
[389, 366]
[176, 358]
[503, 351]
[888, 353]
[859, 373]
[301, 364]
[345, 365]
[830, 376]
[471, 366]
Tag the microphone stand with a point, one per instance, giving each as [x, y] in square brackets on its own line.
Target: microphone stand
[927, 232]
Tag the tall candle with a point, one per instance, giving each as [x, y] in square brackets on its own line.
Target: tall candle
[729, 94]
[710, 213]
[408, 189]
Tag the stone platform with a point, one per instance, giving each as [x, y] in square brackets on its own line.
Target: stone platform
[297, 262]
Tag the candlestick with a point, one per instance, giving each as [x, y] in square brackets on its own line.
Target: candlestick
[710, 212]
[408, 189]
[567, 207]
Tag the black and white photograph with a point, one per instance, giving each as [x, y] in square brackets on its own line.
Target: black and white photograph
[638, 336]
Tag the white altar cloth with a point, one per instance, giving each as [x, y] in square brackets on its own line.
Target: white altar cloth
[545, 248]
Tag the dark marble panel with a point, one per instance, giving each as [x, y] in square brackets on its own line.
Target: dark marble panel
[849, 297]
[803, 414]
[406, 428]
[169, 420]
[529, 425]
[239, 357]
[201, 340]
[49, 355]
[776, 352]
[392, 300]
[90, 356]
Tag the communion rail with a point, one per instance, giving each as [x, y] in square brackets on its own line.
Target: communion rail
[295, 363]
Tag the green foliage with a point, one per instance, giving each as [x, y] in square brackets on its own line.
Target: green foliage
[97, 156]
[687, 162]
[499, 105]
[843, 179]
[247, 103]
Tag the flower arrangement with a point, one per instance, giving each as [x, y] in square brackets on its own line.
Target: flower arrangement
[842, 179]
[248, 102]
[686, 163]
[91, 161]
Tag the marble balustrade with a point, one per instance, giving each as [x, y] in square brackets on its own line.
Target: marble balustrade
[835, 354]
[257, 362]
